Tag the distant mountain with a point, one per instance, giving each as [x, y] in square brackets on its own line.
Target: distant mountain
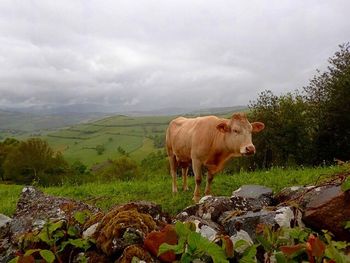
[187, 111]
[28, 122]
[218, 110]
[52, 117]
[46, 109]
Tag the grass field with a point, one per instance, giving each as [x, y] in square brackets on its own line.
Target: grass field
[158, 188]
[133, 134]
[78, 142]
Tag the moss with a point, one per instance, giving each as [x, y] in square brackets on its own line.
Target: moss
[135, 251]
[118, 224]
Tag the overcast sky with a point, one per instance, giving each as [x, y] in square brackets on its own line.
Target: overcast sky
[148, 54]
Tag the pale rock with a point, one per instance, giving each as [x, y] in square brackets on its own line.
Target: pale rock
[241, 235]
[90, 231]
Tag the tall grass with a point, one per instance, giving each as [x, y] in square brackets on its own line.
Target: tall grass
[157, 188]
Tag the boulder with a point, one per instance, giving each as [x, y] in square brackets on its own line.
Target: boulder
[252, 197]
[327, 208]
[4, 220]
[34, 208]
[290, 194]
[208, 208]
[7, 249]
[247, 222]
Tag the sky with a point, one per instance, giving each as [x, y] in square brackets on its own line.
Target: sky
[146, 54]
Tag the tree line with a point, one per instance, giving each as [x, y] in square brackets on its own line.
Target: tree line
[33, 160]
[306, 127]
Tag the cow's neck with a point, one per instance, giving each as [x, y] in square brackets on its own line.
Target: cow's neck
[219, 154]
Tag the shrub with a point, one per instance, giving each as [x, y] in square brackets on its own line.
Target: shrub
[122, 168]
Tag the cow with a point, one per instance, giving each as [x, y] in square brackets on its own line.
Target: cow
[207, 141]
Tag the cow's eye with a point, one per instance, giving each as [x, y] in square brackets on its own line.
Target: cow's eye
[235, 131]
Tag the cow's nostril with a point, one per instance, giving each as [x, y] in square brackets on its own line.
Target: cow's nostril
[250, 149]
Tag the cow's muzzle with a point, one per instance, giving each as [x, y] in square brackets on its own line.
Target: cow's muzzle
[248, 150]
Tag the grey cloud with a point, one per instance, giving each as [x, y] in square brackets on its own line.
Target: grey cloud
[153, 54]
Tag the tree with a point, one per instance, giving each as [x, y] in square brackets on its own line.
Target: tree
[285, 140]
[122, 168]
[33, 160]
[100, 149]
[6, 147]
[328, 95]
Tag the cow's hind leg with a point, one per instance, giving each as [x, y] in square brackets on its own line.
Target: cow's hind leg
[210, 177]
[197, 169]
[184, 178]
[173, 167]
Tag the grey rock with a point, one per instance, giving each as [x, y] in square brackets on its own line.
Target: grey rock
[211, 208]
[241, 235]
[247, 222]
[34, 208]
[203, 222]
[327, 208]
[4, 220]
[252, 197]
[293, 193]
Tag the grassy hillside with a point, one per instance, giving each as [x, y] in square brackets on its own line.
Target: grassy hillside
[158, 188]
[132, 134]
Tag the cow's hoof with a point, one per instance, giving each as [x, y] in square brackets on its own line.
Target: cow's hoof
[196, 199]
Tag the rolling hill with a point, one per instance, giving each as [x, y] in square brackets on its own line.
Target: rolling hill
[133, 133]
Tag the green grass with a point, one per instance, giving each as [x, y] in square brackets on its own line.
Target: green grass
[158, 188]
[131, 133]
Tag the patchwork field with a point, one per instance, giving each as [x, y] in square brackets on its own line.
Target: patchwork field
[134, 135]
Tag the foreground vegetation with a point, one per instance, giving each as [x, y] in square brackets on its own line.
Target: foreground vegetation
[157, 188]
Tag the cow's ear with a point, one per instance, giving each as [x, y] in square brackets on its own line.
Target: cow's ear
[223, 127]
[258, 126]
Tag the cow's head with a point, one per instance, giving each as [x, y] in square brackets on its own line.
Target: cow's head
[238, 134]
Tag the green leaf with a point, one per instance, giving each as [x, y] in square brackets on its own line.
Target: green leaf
[43, 236]
[14, 260]
[177, 249]
[83, 259]
[347, 225]
[181, 229]
[58, 235]
[280, 258]
[30, 252]
[52, 227]
[47, 255]
[72, 231]
[80, 243]
[346, 185]
[186, 258]
[249, 255]
[193, 241]
[63, 246]
[241, 243]
[265, 243]
[298, 233]
[81, 216]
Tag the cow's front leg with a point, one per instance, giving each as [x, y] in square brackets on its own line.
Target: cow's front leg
[173, 166]
[184, 178]
[197, 169]
[210, 177]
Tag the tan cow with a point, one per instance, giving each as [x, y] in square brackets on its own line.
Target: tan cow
[207, 141]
